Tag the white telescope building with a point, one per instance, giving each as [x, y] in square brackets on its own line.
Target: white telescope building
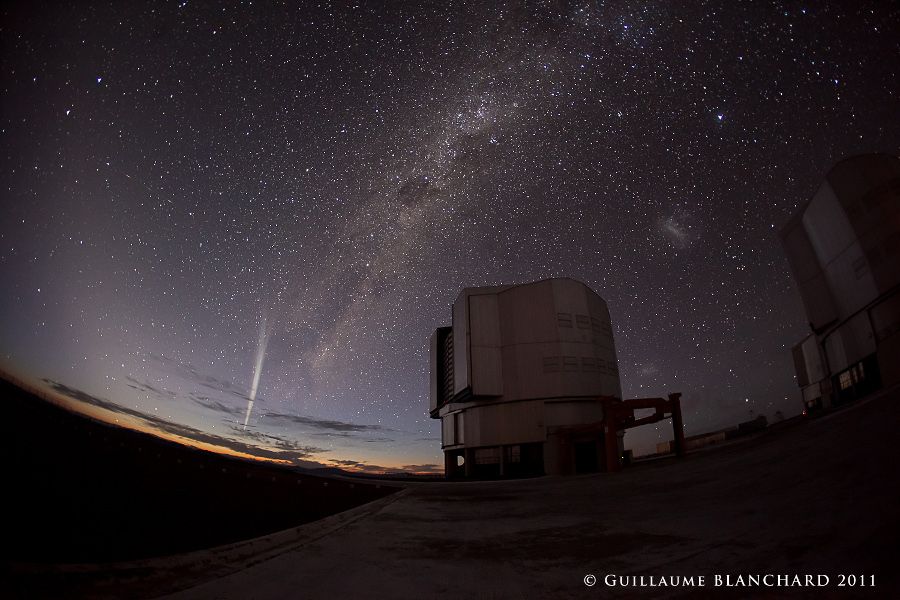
[519, 377]
[843, 246]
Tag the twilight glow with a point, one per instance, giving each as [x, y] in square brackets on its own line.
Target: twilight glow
[178, 176]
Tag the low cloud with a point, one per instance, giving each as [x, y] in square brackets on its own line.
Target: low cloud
[370, 468]
[292, 451]
[431, 469]
[361, 466]
[189, 372]
[324, 424]
[280, 442]
[215, 405]
[143, 386]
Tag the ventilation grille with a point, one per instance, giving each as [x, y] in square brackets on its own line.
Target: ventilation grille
[446, 382]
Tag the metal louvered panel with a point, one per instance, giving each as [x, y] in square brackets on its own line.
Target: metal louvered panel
[447, 381]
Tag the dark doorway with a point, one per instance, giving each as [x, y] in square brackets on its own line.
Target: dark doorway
[585, 457]
[532, 460]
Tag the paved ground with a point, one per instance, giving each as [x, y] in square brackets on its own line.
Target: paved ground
[818, 498]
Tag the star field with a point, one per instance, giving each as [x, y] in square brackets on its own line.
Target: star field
[175, 174]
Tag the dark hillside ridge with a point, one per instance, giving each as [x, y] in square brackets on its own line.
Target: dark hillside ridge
[83, 491]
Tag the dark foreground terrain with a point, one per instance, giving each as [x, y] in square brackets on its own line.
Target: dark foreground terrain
[817, 498]
[81, 491]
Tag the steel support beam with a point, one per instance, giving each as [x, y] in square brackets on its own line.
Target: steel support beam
[677, 424]
[619, 415]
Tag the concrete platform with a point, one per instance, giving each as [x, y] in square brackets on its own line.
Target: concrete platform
[818, 498]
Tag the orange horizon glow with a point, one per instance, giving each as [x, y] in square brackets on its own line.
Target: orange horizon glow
[142, 426]
[138, 424]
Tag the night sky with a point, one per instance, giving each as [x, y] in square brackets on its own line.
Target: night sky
[190, 189]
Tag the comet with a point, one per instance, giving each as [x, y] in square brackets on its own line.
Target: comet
[257, 367]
